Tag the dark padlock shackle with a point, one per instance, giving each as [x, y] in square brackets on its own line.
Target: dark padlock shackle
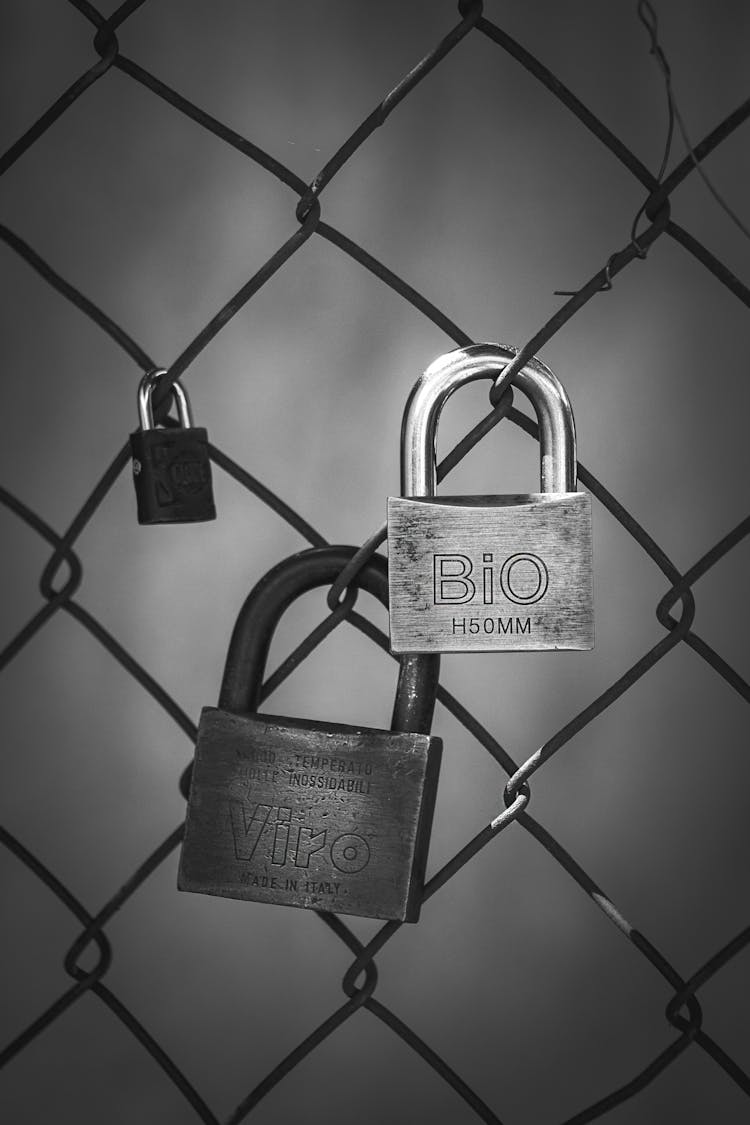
[145, 393]
[557, 435]
[260, 614]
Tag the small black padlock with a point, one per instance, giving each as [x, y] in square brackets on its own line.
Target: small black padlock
[171, 466]
[301, 813]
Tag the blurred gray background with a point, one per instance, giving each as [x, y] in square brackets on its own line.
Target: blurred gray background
[485, 194]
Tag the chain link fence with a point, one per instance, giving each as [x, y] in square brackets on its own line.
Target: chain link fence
[89, 958]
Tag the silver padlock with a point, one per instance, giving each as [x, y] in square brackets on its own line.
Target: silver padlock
[489, 573]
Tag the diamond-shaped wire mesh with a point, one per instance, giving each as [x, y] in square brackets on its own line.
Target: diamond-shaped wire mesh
[217, 180]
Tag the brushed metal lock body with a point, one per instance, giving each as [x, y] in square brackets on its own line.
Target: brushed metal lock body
[326, 816]
[489, 573]
[171, 466]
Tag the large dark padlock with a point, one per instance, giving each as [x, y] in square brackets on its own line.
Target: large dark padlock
[171, 467]
[302, 813]
[489, 573]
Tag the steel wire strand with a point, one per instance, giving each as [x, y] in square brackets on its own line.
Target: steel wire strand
[95, 925]
[301, 1051]
[83, 980]
[634, 673]
[515, 786]
[648, 17]
[81, 302]
[647, 1074]
[680, 585]
[397, 1025]
[63, 600]
[688, 164]
[601, 280]
[721, 272]
[50, 1014]
[267, 497]
[57, 598]
[691, 1029]
[709, 969]
[94, 932]
[688, 579]
[91, 980]
[387, 105]
[545, 76]
[107, 24]
[634, 1086]
[543, 837]
[308, 209]
[135, 669]
[659, 191]
[156, 1051]
[471, 10]
[433, 1059]
[55, 111]
[107, 46]
[286, 176]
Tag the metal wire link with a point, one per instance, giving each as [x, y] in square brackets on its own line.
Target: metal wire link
[360, 980]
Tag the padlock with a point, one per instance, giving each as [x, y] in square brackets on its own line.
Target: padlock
[489, 573]
[298, 812]
[171, 467]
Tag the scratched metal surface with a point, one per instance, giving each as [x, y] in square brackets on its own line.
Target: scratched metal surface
[491, 573]
[322, 816]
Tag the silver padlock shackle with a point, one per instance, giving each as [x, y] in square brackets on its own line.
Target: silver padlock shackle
[145, 393]
[557, 434]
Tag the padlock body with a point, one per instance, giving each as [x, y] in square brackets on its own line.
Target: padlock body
[172, 475]
[309, 814]
[490, 573]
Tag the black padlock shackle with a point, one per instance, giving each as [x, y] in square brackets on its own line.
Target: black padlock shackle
[264, 606]
[557, 435]
[146, 389]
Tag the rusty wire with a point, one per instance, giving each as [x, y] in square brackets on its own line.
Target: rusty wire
[683, 1011]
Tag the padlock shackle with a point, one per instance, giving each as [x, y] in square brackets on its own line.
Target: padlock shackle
[557, 435]
[245, 666]
[145, 394]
